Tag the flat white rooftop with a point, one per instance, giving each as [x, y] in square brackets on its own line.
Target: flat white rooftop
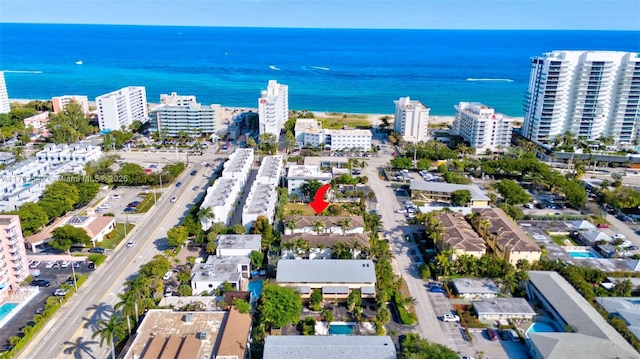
[329, 347]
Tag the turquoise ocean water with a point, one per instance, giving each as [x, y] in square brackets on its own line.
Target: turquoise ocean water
[360, 71]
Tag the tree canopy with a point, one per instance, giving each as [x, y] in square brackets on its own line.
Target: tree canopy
[309, 188]
[279, 306]
[414, 347]
[177, 236]
[512, 192]
[460, 197]
[66, 236]
[69, 125]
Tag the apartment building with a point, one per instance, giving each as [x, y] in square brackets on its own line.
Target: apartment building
[273, 108]
[263, 196]
[411, 119]
[504, 237]
[208, 276]
[325, 225]
[121, 107]
[299, 174]
[321, 245]
[482, 127]
[37, 122]
[77, 154]
[223, 196]
[459, 237]
[14, 267]
[441, 192]
[25, 181]
[182, 114]
[7, 158]
[59, 102]
[238, 244]
[4, 95]
[309, 132]
[587, 93]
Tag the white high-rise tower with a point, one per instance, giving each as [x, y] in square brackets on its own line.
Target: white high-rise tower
[411, 120]
[122, 107]
[4, 95]
[273, 108]
[587, 93]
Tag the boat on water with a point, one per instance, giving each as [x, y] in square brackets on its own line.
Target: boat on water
[79, 62]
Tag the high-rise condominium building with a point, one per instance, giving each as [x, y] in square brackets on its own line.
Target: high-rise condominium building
[14, 267]
[411, 120]
[587, 93]
[273, 108]
[4, 95]
[182, 114]
[122, 107]
[482, 127]
[59, 102]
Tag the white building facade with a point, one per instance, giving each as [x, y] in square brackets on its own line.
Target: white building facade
[59, 102]
[587, 93]
[4, 95]
[299, 174]
[37, 122]
[14, 266]
[273, 108]
[482, 127]
[411, 120]
[122, 107]
[309, 132]
[182, 114]
[263, 196]
[76, 154]
[223, 196]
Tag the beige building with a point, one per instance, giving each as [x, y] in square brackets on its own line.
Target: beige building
[96, 227]
[330, 224]
[504, 236]
[441, 192]
[14, 267]
[459, 237]
[234, 343]
[335, 277]
[59, 102]
[321, 246]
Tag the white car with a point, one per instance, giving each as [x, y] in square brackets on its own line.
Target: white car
[65, 264]
[450, 318]
[49, 264]
[174, 199]
[618, 236]
[401, 210]
[167, 275]
[130, 244]
[61, 292]
[116, 196]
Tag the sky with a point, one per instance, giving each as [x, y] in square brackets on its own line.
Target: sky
[381, 14]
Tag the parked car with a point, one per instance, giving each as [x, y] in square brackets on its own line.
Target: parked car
[34, 264]
[61, 292]
[450, 318]
[78, 264]
[134, 204]
[603, 225]
[40, 310]
[129, 209]
[632, 248]
[167, 275]
[65, 264]
[436, 290]
[492, 334]
[168, 292]
[97, 250]
[56, 264]
[40, 283]
[434, 285]
[49, 264]
[91, 265]
[130, 244]
[503, 335]
[514, 335]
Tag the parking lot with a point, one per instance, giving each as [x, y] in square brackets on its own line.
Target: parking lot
[116, 200]
[496, 348]
[452, 330]
[56, 276]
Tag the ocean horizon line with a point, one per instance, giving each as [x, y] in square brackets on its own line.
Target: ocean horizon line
[322, 28]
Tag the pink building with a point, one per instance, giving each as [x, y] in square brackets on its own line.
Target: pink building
[37, 122]
[14, 267]
[61, 101]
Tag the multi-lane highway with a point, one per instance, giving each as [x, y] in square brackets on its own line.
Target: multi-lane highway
[96, 298]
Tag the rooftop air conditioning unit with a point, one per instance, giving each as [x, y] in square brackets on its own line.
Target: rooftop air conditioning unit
[203, 335]
[188, 318]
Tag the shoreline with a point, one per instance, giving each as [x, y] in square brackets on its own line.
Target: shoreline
[229, 111]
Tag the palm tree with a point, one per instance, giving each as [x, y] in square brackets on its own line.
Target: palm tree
[345, 225]
[128, 307]
[443, 261]
[205, 214]
[79, 348]
[110, 331]
[291, 225]
[408, 301]
[318, 227]
[305, 247]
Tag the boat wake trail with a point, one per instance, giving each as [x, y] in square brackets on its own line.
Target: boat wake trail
[320, 68]
[21, 71]
[502, 80]
[274, 68]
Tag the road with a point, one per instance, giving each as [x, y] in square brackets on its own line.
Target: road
[95, 300]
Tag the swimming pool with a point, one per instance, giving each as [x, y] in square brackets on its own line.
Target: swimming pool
[589, 253]
[6, 308]
[540, 327]
[255, 287]
[341, 328]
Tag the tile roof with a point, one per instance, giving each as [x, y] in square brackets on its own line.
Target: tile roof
[458, 233]
[235, 335]
[510, 235]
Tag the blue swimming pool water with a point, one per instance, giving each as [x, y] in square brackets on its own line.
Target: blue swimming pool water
[584, 254]
[6, 308]
[341, 329]
[255, 287]
[540, 328]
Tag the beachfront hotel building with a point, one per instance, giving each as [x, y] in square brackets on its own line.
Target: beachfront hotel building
[4, 95]
[182, 114]
[273, 108]
[59, 102]
[482, 127]
[14, 267]
[121, 107]
[263, 196]
[411, 120]
[587, 93]
[309, 132]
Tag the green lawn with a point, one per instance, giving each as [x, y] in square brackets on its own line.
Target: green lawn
[338, 120]
[112, 239]
[561, 240]
[147, 202]
[304, 207]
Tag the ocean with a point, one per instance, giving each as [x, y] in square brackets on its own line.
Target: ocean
[359, 71]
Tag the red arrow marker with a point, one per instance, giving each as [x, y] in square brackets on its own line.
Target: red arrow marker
[319, 204]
